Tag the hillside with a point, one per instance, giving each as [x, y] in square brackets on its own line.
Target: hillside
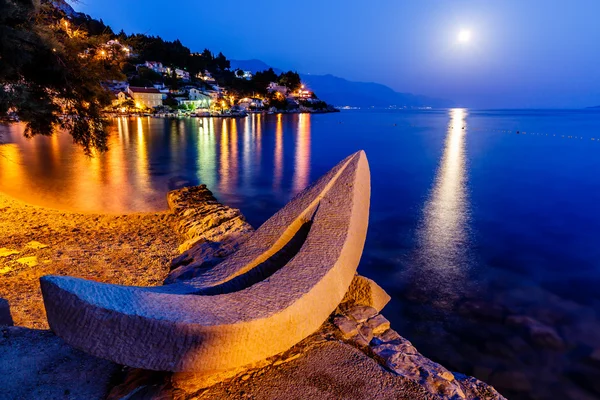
[342, 92]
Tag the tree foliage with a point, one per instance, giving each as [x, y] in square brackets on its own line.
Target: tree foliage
[290, 79]
[51, 72]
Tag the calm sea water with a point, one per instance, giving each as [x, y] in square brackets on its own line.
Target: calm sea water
[484, 228]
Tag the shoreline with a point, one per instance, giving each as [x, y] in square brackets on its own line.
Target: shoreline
[215, 115]
[144, 249]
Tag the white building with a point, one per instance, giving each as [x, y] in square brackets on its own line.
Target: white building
[145, 97]
[202, 100]
[274, 87]
[249, 102]
[246, 75]
[181, 74]
[155, 66]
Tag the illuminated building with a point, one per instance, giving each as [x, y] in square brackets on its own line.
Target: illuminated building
[145, 97]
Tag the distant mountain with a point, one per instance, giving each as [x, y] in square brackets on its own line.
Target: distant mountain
[342, 92]
[252, 65]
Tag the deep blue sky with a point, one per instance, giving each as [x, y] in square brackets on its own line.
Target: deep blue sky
[523, 53]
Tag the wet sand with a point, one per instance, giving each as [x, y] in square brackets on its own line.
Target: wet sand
[128, 249]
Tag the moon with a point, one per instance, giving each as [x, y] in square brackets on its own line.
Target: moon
[464, 36]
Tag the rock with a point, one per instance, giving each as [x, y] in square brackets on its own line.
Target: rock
[361, 313]
[386, 350]
[5, 317]
[348, 327]
[476, 389]
[378, 324]
[29, 261]
[390, 335]
[435, 378]
[365, 292]
[5, 270]
[447, 375]
[359, 340]
[540, 334]
[4, 252]
[545, 336]
[195, 262]
[202, 218]
[366, 333]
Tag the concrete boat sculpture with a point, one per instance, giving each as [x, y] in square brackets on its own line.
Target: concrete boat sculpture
[276, 290]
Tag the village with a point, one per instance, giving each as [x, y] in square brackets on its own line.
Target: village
[160, 90]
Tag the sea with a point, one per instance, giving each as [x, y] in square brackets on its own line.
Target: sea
[484, 224]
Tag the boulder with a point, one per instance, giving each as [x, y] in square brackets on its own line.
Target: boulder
[540, 334]
[366, 292]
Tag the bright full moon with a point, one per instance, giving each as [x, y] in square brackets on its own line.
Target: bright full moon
[464, 36]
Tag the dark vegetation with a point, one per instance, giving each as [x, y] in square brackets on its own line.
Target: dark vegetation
[53, 62]
[51, 72]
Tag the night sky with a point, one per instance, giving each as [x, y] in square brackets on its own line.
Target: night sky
[521, 54]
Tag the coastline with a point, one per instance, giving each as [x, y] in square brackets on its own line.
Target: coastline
[140, 249]
[218, 115]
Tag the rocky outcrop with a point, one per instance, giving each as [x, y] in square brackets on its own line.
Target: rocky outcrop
[363, 327]
[202, 219]
[366, 292]
[213, 231]
[540, 334]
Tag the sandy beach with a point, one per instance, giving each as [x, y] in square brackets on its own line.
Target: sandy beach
[128, 249]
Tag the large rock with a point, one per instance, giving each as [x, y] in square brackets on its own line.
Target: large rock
[201, 218]
[366, 292]
[540, 334]
[276, 290]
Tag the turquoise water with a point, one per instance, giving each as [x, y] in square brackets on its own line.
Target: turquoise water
[484, 225]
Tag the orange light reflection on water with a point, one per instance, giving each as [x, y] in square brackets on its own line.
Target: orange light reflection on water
[302, 162]
[278, 170]
[225, 182]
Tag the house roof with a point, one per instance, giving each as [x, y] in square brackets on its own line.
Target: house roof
[143, 89]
